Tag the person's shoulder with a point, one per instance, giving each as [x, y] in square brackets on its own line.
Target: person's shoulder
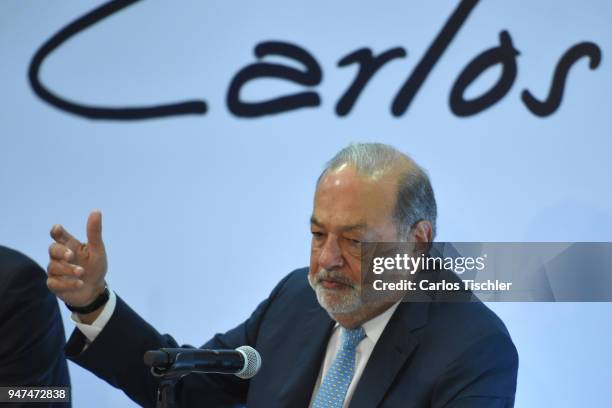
[463, 326]
[467, 335]
[31, 350]
[294, 290]
[294, 282]
[298, 277]
[12, 260]
[19, 271]
[468, 318]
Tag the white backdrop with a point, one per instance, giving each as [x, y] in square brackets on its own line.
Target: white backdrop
[203, 214]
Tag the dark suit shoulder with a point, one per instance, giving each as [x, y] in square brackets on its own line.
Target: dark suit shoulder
[20, 278]
[463, 333]
[294, 282]
[293, 294]
[474, 353]
[16, 266]
[467, 319]
[31, 351]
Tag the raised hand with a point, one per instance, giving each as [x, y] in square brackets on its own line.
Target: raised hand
[77, 270]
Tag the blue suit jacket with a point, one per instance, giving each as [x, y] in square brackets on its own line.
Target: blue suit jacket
[31, 331]
[429, 355]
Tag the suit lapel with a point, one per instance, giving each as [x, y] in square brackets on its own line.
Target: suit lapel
[391, 352]
[309, 348]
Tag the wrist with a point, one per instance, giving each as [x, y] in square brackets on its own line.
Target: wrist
[89, 318]
[94, 307]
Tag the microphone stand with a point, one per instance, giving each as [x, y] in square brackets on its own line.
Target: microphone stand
[166, 397]
[165, 394]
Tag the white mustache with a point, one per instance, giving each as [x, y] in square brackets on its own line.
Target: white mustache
[324, 274]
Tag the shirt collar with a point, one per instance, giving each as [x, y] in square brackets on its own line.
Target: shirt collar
[374, 327]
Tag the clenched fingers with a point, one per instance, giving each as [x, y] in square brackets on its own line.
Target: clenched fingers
[61, 236]
[61, 268]
[60, 252]
[59, 285]
[63, 276]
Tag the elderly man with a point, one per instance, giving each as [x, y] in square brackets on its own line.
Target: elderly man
[321, 344]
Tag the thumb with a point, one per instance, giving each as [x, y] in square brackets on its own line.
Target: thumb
[94, 230]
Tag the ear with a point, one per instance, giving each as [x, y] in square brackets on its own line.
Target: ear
[422, 232]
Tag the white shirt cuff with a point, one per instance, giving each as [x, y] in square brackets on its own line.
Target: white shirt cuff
[91, 331]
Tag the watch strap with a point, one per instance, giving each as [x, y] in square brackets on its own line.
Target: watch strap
[99, 301]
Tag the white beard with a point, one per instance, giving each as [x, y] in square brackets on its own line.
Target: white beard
[336, 301]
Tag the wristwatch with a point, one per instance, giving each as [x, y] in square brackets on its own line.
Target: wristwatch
[99, 301]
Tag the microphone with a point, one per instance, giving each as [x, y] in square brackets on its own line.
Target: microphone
[244, 362]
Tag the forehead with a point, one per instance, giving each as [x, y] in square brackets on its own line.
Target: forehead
[344, 197]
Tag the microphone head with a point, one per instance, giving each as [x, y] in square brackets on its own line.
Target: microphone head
[252, 362]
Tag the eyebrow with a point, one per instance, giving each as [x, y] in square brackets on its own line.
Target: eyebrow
[359, 225]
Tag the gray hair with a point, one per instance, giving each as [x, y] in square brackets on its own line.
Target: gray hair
[415, 199]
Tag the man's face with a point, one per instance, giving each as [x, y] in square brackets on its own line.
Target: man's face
[348, 210]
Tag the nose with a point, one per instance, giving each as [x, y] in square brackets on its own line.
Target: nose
[330, 256]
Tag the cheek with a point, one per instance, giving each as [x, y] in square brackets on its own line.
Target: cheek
[314, 262]
[315, 253]
[354, 270]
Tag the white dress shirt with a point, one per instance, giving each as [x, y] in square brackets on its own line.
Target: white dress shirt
[91, 331]
[373, 329]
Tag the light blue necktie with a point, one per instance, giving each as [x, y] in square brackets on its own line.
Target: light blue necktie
[333, 389]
